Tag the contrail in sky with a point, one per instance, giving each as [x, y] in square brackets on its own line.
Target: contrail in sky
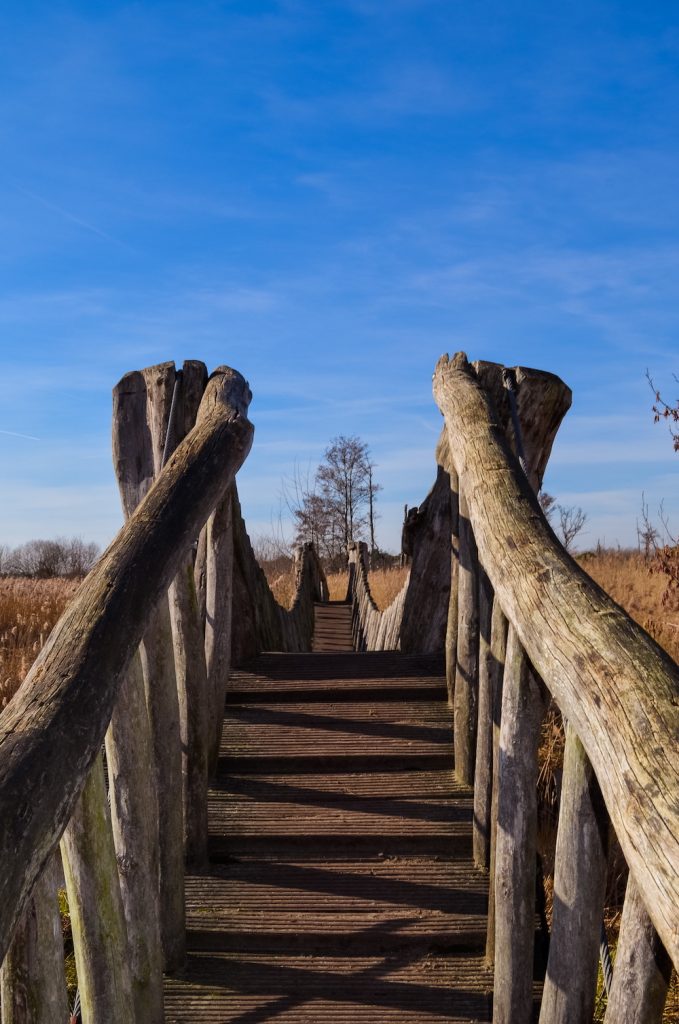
[13, 433]
[69, 216]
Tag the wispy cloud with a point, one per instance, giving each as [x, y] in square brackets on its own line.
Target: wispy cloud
[67, 215]
[14, 433]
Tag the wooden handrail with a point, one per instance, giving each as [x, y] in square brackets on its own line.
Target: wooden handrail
[616, 686]
[51, 732]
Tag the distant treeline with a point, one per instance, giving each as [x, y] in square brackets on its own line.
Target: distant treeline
[40, 559]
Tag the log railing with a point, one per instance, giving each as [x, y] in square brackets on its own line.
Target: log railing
[415, 621]
[373, 630]
[262, 623]
[92, 676]
[527, 620]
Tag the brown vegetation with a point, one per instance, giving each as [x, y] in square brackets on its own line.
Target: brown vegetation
[28, 611]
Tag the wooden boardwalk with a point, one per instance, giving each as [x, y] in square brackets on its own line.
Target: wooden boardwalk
[332, 627]
[341, 886]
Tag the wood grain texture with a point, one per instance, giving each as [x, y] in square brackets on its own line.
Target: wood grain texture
[96, 907]
[523, 707]
[467, 664]
[32, 977]
[611, 680]
[425, 608]
[581, 861]
[642, 970]
[51, 732]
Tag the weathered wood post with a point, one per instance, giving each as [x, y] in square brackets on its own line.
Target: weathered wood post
[579, 888]
[451, 625]
[188, 641]
[642, 971]
[218, 604]
[32, 979]
[610, 679]
[51, 732]
[129, 744]
[523, 706]
[135, 467]
[467, 668]
[483, 781]
[96, 907]
[498, 650]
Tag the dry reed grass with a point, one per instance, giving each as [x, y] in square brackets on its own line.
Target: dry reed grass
[29, 610]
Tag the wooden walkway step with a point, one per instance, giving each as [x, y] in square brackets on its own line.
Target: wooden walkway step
[332, 627]
[341, 887]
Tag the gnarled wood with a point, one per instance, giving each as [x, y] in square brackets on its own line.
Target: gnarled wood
[483, 769]
[32, 978]
[642, 971]
[425, 609]
[498, 652]
[453, 608]
[218, 617]
[96, 908]
[523, 708]
[579, 887]
[467, 667]
[610, 679]
[134, 819]
[52, 730]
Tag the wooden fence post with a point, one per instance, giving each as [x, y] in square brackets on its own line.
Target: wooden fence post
[188, 641]
[467, 670]
[51, 732]
[523, 708]
[498, 648]
[483, 780]
[135, 466]
[451, 626]
[579, 888]
[218, 605]
[134, 819]
[32, 978]
[96, 908]
[642, 970]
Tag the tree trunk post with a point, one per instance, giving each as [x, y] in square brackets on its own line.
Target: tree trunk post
[498, 648]
[569, 991]
[96, 908]
[218, 606]
[32, 979]
[467, 669]
[140, 413]
[191, 672]
[483, 775]
[52, 731]
[134, 818]
[516, 844]
[642, 970]
[451, 626]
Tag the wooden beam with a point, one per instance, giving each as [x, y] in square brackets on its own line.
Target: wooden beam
[611, 680]
[52, 731]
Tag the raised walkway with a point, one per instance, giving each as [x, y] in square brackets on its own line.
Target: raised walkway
[341, 887]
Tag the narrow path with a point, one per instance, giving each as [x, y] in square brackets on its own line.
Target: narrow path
[332, 627]
[341, 887]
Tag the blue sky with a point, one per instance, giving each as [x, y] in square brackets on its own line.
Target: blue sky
[327, 195]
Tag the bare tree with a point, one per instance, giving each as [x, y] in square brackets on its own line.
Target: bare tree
[338, 504]
[647, 535]
[547, 504]
[571, 521]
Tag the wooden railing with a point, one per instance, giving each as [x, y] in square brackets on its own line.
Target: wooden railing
[527, 620]
[372, 629]
[262, 623]
[92, 676]
[415, 621]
